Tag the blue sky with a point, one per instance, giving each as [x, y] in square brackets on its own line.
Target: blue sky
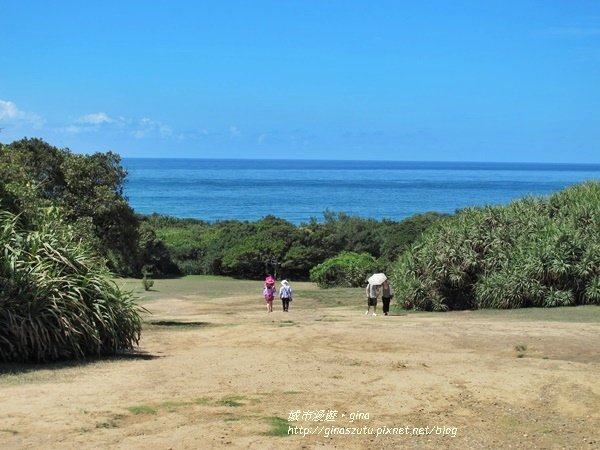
[380, 80]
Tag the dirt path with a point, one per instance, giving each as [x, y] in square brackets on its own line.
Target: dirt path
[237, 373]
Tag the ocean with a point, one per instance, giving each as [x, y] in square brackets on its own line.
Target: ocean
[299, 190]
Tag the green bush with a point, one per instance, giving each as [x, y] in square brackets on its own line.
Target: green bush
[56, 299]
[348, 269]
[532, 252]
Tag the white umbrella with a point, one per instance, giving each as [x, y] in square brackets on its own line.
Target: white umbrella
[377, 279]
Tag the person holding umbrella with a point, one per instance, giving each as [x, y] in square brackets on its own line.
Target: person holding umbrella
[372, 291]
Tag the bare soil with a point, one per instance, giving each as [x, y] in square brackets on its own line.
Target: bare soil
[213, 373]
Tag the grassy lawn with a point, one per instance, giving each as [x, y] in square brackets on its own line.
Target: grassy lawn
[206, 286]
[577, 314]
[215, 287]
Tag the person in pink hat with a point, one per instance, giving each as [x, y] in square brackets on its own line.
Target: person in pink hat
[269, 292]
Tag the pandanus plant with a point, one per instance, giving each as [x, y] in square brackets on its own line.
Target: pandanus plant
[531, 252]
[57, 300]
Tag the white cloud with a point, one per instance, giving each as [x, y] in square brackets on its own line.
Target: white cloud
[95, 119]
[102, 122]
[147, 127]
[98, 122]
[234, 131]
[9, 112]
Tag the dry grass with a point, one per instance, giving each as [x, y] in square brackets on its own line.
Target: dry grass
[215, 370]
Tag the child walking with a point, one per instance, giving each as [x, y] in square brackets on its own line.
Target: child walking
[285, 294]
[269, 292]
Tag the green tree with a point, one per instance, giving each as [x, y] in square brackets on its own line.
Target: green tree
[348, 269]
[263, 251]
[87, 188]
[94, 189]
[33, 160]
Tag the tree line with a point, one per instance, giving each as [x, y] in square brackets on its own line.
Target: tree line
[276, 246]
[532, 252]
[88, 190]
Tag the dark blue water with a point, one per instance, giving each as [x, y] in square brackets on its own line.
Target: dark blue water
[297, 191]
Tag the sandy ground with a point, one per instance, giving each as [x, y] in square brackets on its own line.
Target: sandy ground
[450, 380]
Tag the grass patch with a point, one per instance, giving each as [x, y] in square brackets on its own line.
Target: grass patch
[200, 286]
[287, 323]
[520, 349]
[141, 409]
[232, 401]
[110, 424]
[279, 427]
[572, 314]
[172, 406]
[334, 297]
[235, 418]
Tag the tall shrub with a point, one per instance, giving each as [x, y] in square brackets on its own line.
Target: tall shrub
[56, 299]
[348, 269]
[532, 252]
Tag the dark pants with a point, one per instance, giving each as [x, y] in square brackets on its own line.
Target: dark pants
[286, 303]
[386, 304]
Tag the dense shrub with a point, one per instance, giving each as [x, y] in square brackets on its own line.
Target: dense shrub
[56, 299]
[532, 252]
[275, 246]
[348, 269]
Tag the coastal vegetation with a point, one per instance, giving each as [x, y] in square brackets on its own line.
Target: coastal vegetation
[88, 190]
[541, 252]
[57, 300]
[348, 269]
[276, 246]
[63, 217]
[532, 252]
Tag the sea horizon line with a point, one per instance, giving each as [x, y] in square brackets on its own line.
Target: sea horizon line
[480, 164]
